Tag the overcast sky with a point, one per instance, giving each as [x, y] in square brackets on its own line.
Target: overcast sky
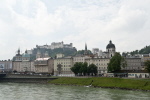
[27, 23]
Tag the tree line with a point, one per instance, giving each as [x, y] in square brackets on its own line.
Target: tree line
[82, 69]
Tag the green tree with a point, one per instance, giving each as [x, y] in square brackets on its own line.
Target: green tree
[145, 50]
[115, 63]
[147, 64]
[83, 68]
[92, 69]
[76, 68]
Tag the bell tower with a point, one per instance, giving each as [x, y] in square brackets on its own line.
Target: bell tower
[85, 51]
[111, 49]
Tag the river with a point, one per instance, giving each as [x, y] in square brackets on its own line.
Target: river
[30, 91]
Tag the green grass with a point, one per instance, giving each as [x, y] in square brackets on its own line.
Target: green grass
[141, 84]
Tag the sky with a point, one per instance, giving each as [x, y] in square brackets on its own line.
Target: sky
[27, 23]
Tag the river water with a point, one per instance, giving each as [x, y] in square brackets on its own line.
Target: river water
[30, 91]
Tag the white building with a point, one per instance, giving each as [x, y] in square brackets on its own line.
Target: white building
[5, 66]
[62, 66]
[101, 63]
[133, 64]
[44, 65]
[80, 58]
[95, 51]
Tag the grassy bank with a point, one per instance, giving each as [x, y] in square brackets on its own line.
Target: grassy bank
[140, 84]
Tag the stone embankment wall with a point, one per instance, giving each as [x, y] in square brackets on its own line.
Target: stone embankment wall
[26, 78]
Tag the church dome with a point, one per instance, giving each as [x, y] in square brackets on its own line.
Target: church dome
[110, 45]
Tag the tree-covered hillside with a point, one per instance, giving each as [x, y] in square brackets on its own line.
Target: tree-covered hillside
[145, 50]
[53, 52]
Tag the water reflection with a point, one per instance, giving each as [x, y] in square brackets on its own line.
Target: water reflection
[24, 91]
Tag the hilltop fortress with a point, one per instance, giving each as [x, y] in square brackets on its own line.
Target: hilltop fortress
[55, 45]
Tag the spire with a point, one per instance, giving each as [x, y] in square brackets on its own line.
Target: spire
[26, 52]
[85, 47]
[18, 51]
[85, 52]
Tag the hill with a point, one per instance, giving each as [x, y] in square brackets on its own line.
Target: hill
[145, 50]
[53, 52]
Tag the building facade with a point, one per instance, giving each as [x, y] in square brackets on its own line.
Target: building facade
[133, 64]
[22, 62]
[101, 63]
[6, 66]
[95, 51]
[80, 58]
[144, 58]
[44, 65]
[62, 66]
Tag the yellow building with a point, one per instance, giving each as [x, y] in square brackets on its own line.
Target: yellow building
[62, 66]
[101, 63]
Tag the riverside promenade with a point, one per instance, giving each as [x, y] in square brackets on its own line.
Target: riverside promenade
[22, 78]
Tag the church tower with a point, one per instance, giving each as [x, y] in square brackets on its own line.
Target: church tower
[111, 49]
[85, 51]
[18, 51]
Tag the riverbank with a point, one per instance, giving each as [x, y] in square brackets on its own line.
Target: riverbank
[105, 82]
[23, 78]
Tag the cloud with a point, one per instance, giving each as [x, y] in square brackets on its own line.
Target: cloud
[40, 22]
[25, 23]
[124, 23]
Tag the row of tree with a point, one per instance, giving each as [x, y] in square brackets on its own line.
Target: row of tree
[80, 68]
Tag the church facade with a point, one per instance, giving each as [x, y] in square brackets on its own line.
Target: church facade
[22, 62]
